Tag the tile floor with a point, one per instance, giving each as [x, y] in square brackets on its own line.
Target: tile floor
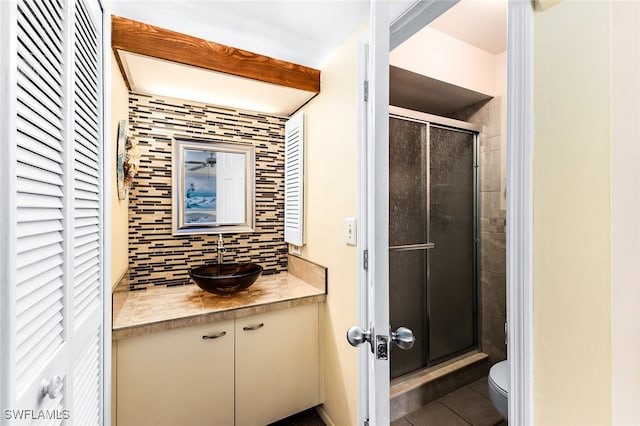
[466, 406]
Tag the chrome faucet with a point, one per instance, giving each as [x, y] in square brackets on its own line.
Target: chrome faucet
[221, 249]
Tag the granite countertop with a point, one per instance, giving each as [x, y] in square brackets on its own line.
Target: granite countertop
[162, 308]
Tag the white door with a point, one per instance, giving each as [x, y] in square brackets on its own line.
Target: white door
[406, 19]
[390, 24]
[51, 248]
[230, 189]
[374, 224]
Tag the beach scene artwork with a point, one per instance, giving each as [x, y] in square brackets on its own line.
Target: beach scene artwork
[199, 187]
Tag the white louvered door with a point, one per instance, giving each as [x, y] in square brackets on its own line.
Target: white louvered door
[293, 180]
[52, 231]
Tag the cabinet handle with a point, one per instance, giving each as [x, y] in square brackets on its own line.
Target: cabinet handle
[253, 327]
[214, 336]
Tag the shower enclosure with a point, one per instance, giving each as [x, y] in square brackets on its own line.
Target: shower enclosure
[433, 236]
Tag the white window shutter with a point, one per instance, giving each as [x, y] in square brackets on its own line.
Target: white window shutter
[51, 182]
[294, 180]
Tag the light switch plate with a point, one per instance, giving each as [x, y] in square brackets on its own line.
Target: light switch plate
[351, 236]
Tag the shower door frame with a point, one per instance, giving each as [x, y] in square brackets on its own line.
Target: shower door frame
[454, 125]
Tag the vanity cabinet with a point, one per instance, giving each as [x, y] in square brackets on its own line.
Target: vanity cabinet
[177, 377]
[250, 371]
[277, 364]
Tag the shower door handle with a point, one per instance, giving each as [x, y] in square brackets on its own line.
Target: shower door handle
[424, 246]
[403, 338]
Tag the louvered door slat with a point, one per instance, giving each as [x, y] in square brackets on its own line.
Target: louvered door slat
[34, 92]
[32, 140]
[91, 171]
[86, 220]
[40, 175]
[34, 349]
[86, 257]
[85, 213]
[88, 164]
[84, 135]
[39, 321]
[88, 179]
[35, 242]
[49, 31]
[85, 81]
[86, 381]
[39, 253]
[26, 229]
[33, 51]
[35, 270]
[37, 187]
[35, 113]
[33, 201]
[41, 61]
[35, 215]
[84, 231]
[90, 187]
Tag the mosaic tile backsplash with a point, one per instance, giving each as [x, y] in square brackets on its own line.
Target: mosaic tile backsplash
[156, 257]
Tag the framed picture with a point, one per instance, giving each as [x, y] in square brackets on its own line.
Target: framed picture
[213, 187]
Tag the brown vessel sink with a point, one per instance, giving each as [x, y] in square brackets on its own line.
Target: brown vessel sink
[227, 278]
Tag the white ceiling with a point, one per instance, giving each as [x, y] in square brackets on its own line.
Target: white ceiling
[481, 23]
[304, 32]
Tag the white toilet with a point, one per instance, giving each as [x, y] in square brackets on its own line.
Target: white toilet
[499, 387]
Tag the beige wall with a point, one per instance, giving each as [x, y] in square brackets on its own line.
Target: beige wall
[330, 196]
[119, 111]
[625, 197]
[571, 215]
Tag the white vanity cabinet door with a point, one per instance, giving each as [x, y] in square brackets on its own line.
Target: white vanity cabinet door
[176, 377]
[277, 364]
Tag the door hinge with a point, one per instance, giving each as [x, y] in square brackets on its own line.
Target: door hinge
[365, 259]
[366, 90]
[366, 422]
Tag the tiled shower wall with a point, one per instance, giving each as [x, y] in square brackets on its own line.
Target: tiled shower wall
[156, 257]
[488, 114]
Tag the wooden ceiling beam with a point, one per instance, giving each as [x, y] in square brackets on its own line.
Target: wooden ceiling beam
[149, 40]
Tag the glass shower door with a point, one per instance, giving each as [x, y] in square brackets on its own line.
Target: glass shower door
[407, 239]
[451, 289]
[432, 241]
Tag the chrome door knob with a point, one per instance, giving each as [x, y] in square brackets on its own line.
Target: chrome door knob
[51, 388]
[357, 336]
[403, 338]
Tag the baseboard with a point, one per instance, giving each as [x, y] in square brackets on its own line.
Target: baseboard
[324, 416]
